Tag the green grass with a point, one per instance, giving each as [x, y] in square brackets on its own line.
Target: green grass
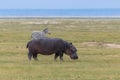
[94, 63]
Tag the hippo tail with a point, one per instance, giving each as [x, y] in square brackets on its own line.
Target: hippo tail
[27, 45]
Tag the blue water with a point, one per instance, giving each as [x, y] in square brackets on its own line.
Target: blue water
[60, 12]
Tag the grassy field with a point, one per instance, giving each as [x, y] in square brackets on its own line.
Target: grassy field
[94, 63]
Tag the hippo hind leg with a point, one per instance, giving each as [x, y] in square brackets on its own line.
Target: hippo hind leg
[35, 57]
[29, 55]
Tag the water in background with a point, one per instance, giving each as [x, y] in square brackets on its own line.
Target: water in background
[60, 12]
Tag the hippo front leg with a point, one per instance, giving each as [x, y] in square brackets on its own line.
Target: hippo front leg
[61, 56]
[56, 55]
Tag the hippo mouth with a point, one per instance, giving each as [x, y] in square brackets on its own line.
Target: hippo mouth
[74, 57]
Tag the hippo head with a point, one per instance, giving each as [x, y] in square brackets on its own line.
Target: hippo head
[71, 51]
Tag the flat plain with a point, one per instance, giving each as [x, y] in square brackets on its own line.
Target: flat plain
[96, 62]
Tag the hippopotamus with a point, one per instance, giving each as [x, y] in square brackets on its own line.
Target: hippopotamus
[48, 46]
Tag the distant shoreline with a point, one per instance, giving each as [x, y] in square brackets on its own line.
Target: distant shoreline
[79, 17]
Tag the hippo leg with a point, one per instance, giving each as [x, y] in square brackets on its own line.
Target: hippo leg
[35, 57]
[56, 55]
[61, 56]
[29, 55]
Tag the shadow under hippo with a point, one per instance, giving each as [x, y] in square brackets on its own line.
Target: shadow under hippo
[48, 46]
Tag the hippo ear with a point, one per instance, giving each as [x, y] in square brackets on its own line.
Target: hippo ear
[67, 45]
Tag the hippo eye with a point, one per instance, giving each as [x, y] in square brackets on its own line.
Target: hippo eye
[72, 50]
